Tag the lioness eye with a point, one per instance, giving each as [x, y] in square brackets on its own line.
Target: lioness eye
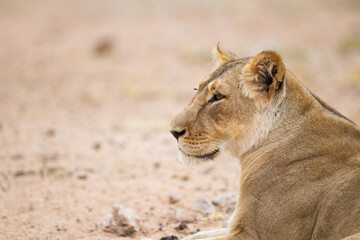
[219, 96]
[216, 97]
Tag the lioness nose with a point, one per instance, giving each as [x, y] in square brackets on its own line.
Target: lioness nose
[177, 134]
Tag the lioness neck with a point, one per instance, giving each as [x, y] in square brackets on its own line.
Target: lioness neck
[294, 125]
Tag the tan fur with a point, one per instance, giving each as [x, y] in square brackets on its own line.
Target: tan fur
[222, 55]
[300, 159]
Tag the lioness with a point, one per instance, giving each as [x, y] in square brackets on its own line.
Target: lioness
[300, 158]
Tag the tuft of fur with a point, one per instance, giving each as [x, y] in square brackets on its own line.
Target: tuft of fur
[222, 55]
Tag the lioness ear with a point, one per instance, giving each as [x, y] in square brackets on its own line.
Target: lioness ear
[222, 56]
[263, 75]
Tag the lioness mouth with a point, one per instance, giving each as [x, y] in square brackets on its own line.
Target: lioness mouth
[207, 155]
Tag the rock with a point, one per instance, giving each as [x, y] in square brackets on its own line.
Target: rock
[49, 157]
[157, 165]
[228, 209]
[60, 228]
[181, 226]
[181, 215]
[122, 221]
[161, 228]
[21, 173]
[172, 237]
[96, 146]
[174, 198]
[104, 47]
[226, 200]
[50, 132]
[204, 206]
[82, 175]
[178, 215]
[185, 178]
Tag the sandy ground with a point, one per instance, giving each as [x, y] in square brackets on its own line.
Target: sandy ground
[88, 88]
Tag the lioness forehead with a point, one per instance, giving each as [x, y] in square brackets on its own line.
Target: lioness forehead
[223, 69]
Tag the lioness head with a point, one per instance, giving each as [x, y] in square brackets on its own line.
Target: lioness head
[233, 108]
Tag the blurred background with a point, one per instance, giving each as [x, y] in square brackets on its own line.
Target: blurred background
[88, 88]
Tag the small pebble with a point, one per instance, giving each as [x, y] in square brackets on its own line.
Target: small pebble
[50, 132]
[181, 226]
[185, 178]
[104, 47]
[122, 221]
[21, 173]
[204, 206]
[161, 228]
[82, 175]
[174, 198]
[226, 200]
[157, 165]
[96, 146]
[172, 237]
[228, 209]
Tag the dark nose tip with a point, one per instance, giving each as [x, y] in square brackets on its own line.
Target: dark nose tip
[177, 134]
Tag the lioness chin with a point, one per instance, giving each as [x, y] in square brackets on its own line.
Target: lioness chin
[300, 158]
